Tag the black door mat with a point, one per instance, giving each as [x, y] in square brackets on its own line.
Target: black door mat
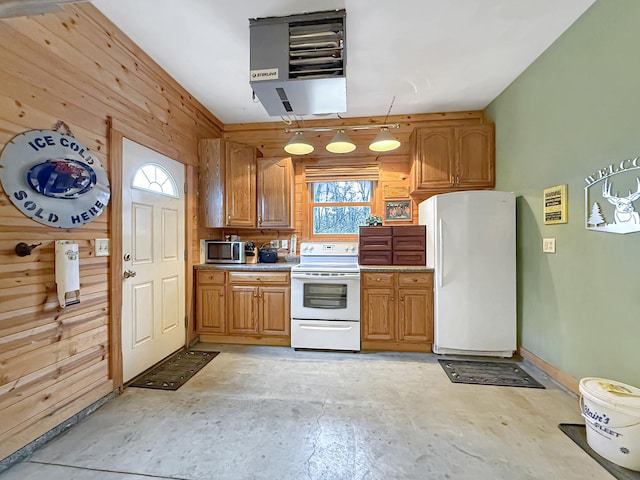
[504, 374]
[174, 372]
[578, 433]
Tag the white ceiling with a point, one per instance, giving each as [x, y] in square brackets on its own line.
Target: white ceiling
[431, 55]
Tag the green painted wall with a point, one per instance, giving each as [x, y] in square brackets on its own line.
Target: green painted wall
[576, 110]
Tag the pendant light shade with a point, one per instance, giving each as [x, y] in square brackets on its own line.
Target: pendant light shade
[298, 145]
[340, 143]
[384, 142]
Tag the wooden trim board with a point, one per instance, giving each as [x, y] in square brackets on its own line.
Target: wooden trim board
[558, 375]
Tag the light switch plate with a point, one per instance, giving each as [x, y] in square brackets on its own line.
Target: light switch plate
[102, 247]
[549, 245]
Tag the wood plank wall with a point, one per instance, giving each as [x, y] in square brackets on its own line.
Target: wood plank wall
[394, 166]
[77, 67]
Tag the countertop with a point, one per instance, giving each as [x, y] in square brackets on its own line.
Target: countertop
[395, 268]
[286, 265]
[277, 266]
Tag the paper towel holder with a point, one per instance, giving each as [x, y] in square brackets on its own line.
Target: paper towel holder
[23, 250]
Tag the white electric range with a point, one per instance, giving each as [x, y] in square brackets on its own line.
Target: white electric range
[325, 297]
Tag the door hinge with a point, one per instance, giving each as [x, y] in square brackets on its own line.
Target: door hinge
[186, 188]
[186, 320]
[185, 254]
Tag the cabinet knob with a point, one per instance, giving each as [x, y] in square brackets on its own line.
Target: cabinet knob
[415, 279]
[260, 295]
[378, 279]
[393, 299]
[260, 220]
[402, 299]
[229, 218]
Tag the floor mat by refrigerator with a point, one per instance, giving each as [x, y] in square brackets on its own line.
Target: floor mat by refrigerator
[506, 374]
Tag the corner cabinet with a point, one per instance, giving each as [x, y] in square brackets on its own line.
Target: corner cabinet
[397, 311]
[240, 189]
[452, 158]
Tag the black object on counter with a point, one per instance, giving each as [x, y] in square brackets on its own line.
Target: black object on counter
[267, 255]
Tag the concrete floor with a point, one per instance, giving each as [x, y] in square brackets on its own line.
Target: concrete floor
[274, 413]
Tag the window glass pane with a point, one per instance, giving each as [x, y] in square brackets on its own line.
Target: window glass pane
[339, 220]
[154, 178]
[342, 192]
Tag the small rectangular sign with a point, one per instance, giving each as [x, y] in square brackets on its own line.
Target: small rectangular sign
[264, 74]
[555, 205]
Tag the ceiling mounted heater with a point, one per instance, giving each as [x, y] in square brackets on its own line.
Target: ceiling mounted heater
[298, 63]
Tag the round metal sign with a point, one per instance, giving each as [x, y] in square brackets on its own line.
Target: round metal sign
[54, 179]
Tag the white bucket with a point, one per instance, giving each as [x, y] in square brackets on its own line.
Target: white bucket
[612, 413]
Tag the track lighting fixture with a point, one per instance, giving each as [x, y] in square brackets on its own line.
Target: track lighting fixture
[341, 143]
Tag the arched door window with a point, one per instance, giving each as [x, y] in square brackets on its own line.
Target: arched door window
[155, 179]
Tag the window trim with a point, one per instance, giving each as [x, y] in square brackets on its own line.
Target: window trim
[310, 204]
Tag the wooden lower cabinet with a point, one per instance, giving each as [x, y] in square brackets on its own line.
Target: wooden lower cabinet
[211, 302]
[397, 311]
[250, 307]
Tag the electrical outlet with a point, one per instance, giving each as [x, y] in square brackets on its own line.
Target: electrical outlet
[284, 243]
[102, 247]
[549, 245]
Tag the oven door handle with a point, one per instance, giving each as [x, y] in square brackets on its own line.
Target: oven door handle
[325, 327]
[313, 276]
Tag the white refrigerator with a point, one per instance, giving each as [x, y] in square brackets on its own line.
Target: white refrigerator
[471, 245]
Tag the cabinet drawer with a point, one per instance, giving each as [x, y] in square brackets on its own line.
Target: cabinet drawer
[409, 258]
[375, 257]
[377, 279]
[375, 243]
[409, 230]
[415, 279]
[259, 277]
[409, 243]
[375, 231]
[209, 276]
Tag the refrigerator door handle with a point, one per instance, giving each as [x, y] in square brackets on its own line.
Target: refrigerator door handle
[440, 253]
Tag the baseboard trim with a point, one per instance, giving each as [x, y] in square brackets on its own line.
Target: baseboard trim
[559, 376]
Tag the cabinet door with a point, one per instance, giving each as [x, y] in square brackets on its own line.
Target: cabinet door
[433, 152]
[210, 306]
[275, 190]
[413, 315]
[240, 185]
[274, 310]
[211, 152]
[378, 315]
[243, 309]
[475, 156]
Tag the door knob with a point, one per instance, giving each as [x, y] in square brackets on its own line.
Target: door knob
[129, 274]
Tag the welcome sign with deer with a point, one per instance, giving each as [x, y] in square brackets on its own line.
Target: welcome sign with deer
[606, 209]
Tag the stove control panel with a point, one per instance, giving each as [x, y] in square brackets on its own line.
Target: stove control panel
[329, 249]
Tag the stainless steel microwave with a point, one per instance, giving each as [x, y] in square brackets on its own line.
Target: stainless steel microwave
[224, 252]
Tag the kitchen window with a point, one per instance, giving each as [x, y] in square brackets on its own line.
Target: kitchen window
[339, 208]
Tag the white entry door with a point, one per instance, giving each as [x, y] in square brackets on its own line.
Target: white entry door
[153, 298]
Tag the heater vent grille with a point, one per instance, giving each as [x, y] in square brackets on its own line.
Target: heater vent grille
[298, 63]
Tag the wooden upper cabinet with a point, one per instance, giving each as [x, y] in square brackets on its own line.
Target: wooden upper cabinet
[275, 193]
[476, 157]
[240, 185]
[227, 183]
[240, 189]
[452, 158]
[432, 151]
